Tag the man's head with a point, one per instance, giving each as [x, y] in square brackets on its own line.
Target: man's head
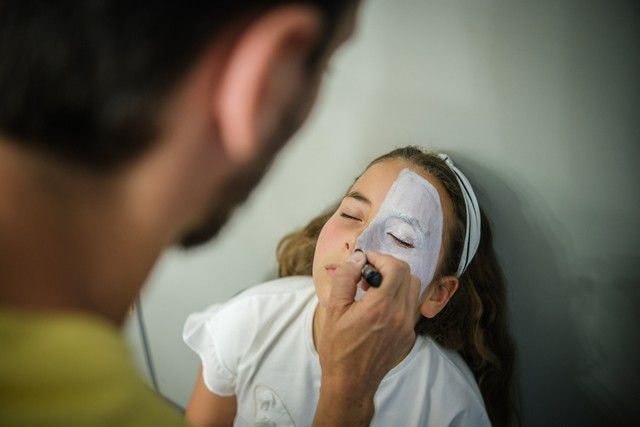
[202, 94]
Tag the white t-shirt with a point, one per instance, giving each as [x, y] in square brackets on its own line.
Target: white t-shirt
[259, 347]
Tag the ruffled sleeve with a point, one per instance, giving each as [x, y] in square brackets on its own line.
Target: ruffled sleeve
[202, 334]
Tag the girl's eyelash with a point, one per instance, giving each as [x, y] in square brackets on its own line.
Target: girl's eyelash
[344, 215]
[401, 242]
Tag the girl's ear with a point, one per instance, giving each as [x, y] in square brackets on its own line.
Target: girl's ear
[438, 295]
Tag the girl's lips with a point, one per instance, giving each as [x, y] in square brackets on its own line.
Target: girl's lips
[331, 269]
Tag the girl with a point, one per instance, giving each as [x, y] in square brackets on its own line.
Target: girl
[259, 363]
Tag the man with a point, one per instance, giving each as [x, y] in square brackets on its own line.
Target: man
[126, 127]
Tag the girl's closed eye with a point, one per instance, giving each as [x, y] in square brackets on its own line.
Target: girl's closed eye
[401, 242]
[349, 217]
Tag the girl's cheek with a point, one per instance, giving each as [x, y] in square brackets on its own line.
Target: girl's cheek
[328, 238]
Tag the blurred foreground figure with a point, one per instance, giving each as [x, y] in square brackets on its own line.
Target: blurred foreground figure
[126, 127]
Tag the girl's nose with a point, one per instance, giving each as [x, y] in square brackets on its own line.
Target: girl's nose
[350, 243]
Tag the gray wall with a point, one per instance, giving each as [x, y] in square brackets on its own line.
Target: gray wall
[538, 102]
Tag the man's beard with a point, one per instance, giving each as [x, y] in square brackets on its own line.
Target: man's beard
[234, 192]
[238, 186]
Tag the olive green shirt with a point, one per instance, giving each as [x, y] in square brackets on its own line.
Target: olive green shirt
[72, 370]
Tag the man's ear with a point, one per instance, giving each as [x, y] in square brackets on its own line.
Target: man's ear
[438, 295]
[263, 74]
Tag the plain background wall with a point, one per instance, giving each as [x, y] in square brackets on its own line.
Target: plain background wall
[538, 102]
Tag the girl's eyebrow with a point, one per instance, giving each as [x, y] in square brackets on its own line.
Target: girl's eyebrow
[358, 196]
[410, 220]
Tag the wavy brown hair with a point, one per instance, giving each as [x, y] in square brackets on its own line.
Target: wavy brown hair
[474, 322]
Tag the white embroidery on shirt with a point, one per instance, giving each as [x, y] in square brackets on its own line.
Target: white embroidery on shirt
[270, 411]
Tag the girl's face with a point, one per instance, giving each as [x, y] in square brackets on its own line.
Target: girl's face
[394, 208]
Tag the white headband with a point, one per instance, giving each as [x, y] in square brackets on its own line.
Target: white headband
[472, 230]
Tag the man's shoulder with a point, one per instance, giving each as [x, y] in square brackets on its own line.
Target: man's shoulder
[72, 369]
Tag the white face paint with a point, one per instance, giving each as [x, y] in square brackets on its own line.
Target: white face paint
[411, 213]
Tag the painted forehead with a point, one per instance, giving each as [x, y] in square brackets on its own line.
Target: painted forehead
[414, 199]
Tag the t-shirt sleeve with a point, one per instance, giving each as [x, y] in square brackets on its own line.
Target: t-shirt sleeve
[471, 417]
[207, 334]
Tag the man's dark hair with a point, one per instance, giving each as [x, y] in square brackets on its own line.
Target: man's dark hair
[83, 80]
